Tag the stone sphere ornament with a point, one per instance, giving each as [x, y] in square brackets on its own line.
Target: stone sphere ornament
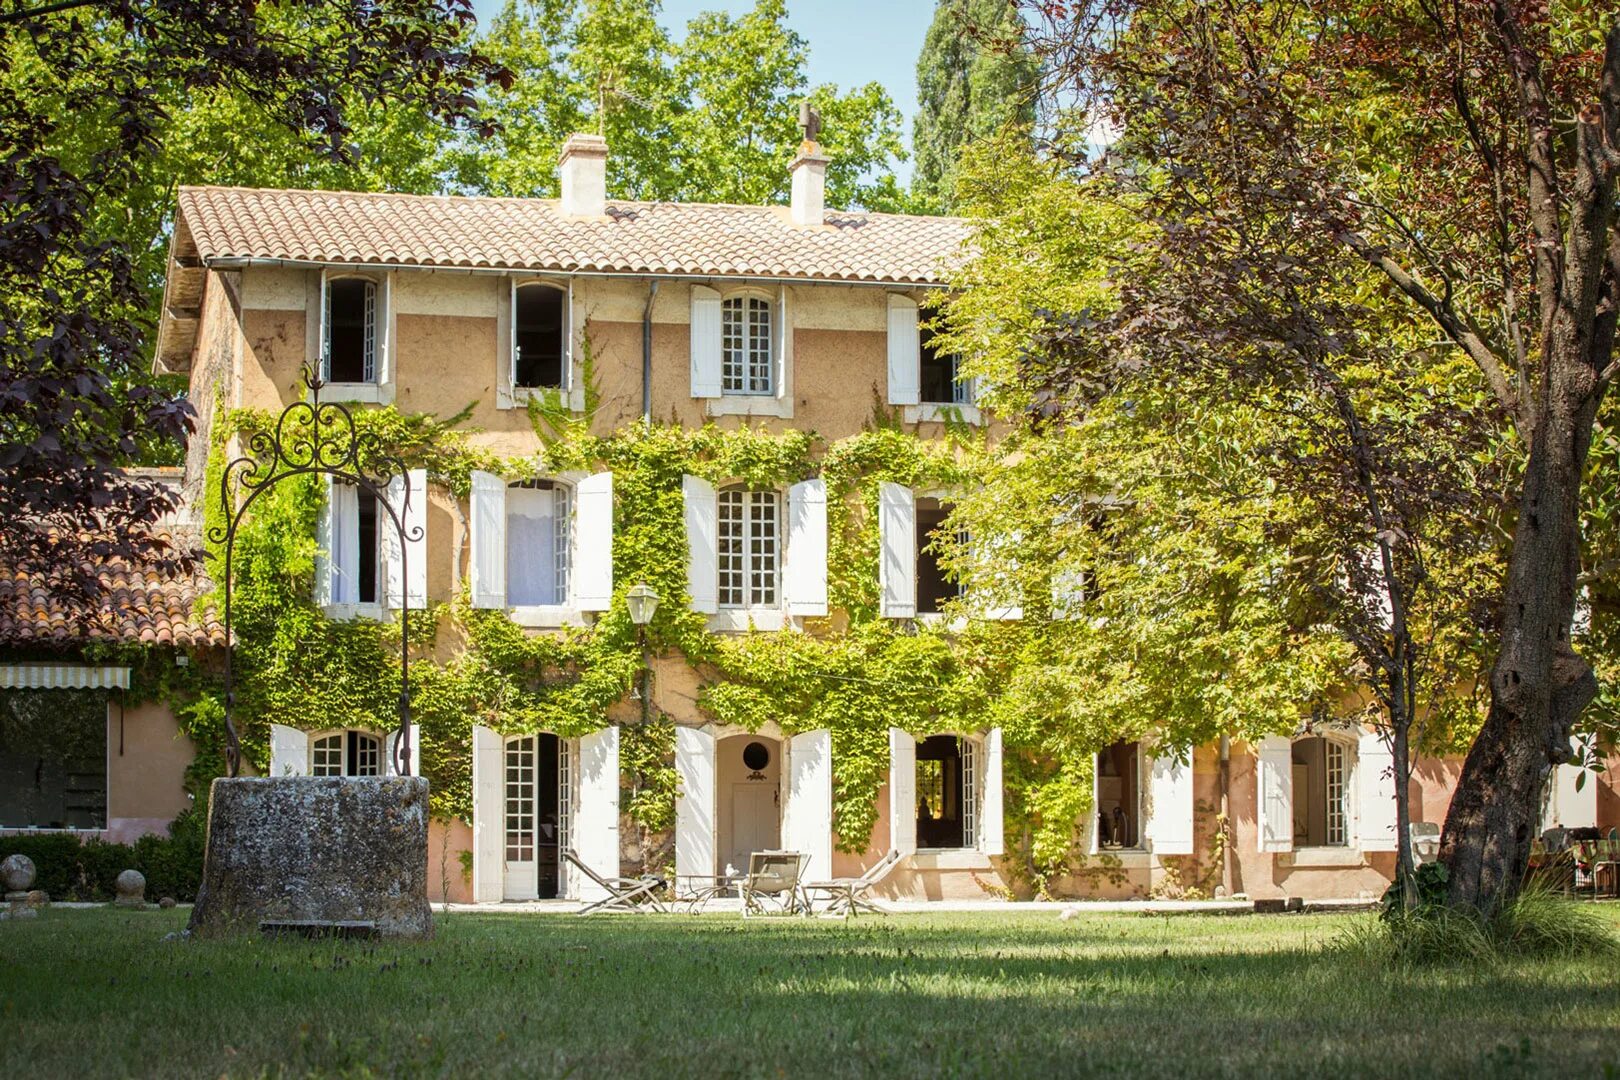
[166, 903]
[131, 889]
[17, 873]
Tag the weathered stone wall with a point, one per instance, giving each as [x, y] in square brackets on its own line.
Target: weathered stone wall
[316, 849]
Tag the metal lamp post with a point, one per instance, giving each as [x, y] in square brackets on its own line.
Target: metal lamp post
[642, 601]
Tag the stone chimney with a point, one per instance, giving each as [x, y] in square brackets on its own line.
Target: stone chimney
[809, 184]
[582, 168]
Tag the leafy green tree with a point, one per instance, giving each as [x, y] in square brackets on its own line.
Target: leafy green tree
[711, 119]
[975, 76]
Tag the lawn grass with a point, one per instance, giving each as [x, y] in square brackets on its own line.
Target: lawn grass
[99, 993]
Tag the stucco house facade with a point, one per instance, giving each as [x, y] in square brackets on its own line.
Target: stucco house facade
[775, 318]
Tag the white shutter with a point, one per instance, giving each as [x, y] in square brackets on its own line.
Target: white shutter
[390, 768]
[807, 818]
[694, 804]
[489, 816]
[344, 555]
[897, 564]
[596, 818]
[702, 544]
[388, 540]
[806, 571]
[1170, 806]
[1274, 790]
[415, 516]
[1567, 807]
[322, 362]
[488, 540]
[385, 338]
[506, 344]
[905, 352]
[324, 563]
[289, 751]
[990, 814]
[593, 543]
[902, 791]
[1094, 828]
[1068, 593]
[705, 342]
[568, 340]
[1375, 790]
[784, 336]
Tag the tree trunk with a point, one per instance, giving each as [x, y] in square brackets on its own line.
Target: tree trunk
[1538, 685]
[1401, 754]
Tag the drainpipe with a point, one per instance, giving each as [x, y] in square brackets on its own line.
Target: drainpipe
[646, 354]
[1226, 814]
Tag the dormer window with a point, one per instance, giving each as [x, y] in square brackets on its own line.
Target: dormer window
[746, 351]
[941, 383]
[351, 330]
[539, 336]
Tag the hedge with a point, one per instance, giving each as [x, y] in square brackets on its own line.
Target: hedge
[74, 869]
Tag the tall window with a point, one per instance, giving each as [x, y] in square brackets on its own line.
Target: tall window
[351, 330]
[539, 336]
[1321, 792]
[941, 793]
[750, 548]
[933, 587]
[745, 337]
[53, 759]
[1119, 796]
[539, 535]
[941, 382]
[346, 753]
[356, 554]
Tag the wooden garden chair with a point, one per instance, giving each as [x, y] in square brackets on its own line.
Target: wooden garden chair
[846, 897]
[623, 894]
[774, 885]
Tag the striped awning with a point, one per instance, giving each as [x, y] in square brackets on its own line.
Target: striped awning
[63, 677]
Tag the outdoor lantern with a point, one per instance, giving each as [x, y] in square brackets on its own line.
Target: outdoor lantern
[642, 601]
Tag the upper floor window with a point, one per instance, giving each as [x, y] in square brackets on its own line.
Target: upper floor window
[355, 553]
[934, 586]
[745, 333]
[539, 336]
[539, 549]
[352, 316]
[940, 381]
[346, 753]
[749, 548]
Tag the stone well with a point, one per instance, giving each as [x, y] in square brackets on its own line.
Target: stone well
[317, 851]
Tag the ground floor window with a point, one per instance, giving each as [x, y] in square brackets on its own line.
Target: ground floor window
[1321, 792]
[942, 782]
[534, 800]
[53, 759]
[345, 753]
[1119, 796]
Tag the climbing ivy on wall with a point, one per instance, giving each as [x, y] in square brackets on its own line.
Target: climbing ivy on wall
[855, 673]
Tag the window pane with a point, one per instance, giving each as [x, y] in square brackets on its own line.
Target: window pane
[370, 552]
[326, 756]
[732, 547]
[533, 530]
[53, 759]
[745, 339]
[520, 778]
[351, 330]
[365, 754]
[539, 334]
[762, 549]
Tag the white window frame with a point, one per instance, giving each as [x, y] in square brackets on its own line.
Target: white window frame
[777, 401]
[974, 758]
[567, 612]
[316, 738]
[1142, 776]
[759, 613]
[379, 389]
[742, 300]
[1349, 802]
[521, 394]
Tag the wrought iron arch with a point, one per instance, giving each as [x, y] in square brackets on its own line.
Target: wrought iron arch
[333, 447]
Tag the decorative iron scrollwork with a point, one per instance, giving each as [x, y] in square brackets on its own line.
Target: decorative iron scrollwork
[315, 437]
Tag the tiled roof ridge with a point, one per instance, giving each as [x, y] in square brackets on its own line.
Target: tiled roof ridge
[945, 219]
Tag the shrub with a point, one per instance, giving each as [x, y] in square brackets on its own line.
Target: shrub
[84, 870]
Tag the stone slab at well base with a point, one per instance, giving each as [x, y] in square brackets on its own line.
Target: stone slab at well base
[316, 849]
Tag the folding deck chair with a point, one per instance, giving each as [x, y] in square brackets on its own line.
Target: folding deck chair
[774, 884]
[846, 897]
[623, 894]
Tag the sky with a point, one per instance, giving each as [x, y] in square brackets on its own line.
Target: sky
[851, 42]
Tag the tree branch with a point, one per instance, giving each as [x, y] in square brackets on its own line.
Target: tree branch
[11, 17]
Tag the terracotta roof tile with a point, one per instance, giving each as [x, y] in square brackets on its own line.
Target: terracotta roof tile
[697, 239]
[138, 605]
